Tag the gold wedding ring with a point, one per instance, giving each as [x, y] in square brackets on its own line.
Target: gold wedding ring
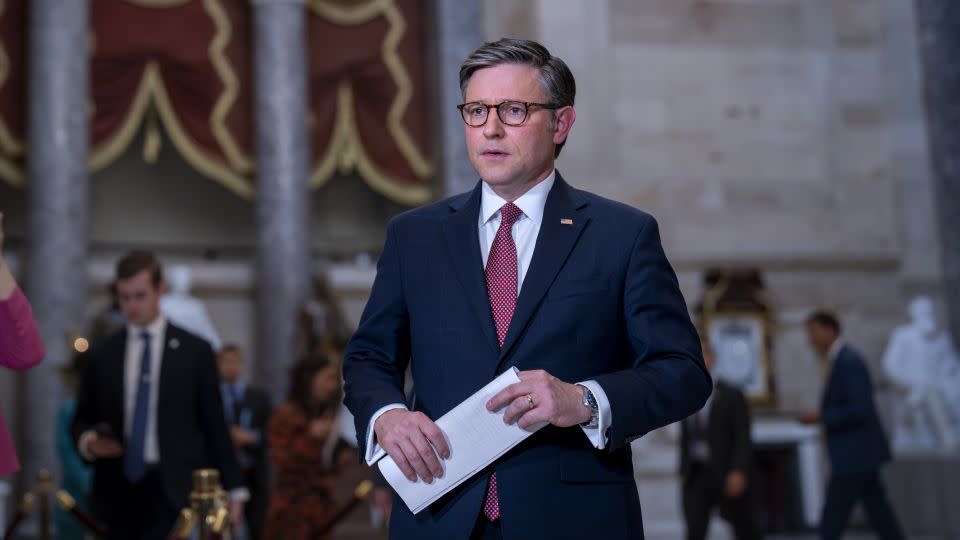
[530, 401]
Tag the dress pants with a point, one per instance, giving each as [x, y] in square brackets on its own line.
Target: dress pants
[702, 492]
[844, 491]
[143, 510]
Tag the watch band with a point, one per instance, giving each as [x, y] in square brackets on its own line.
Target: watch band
[590, 401]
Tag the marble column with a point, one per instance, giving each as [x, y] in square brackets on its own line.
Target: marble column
[282, 208]
[938, 23]
[55, 276]
[459, 31]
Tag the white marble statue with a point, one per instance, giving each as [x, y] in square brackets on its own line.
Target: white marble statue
[922, 362]
[186, 311]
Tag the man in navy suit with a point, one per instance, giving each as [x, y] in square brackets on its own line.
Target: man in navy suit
[149, 414]
[856, 443]
[524, 271]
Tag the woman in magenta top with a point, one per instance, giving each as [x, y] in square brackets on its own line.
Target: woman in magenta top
[20, 346]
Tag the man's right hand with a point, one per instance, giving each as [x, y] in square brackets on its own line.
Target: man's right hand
[413, 441]
[103, 447]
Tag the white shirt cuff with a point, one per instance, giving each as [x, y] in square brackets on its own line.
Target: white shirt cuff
[82, 445]
[374, 451]
[598, 435]
[240, 494]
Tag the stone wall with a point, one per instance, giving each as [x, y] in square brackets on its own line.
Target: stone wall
[785, 135]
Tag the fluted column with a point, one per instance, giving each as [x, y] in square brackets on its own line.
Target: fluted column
[459, 30]
[939, 31]
[283, 242]
[55, 271]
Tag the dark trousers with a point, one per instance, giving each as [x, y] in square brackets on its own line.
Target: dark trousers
[844, 491]
[143, 511]
[255, 511]
[486, 530]
[702, 492]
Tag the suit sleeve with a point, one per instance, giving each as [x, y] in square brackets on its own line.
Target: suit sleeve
[214, 424]
[85, 417]
[855, 402]
[742, 452]
[667, 380]
[379, 351]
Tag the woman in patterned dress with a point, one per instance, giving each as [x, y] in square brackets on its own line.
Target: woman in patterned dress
[301, 436]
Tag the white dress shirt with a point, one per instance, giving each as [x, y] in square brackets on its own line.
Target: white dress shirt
[525, 232]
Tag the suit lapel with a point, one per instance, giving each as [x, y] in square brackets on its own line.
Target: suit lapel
[463, 245]
[554, 243]
[167, 384]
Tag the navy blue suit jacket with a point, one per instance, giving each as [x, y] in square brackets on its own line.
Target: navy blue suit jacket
[600, 301]
[855, 439]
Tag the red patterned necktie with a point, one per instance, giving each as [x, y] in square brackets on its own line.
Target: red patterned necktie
[502, 290]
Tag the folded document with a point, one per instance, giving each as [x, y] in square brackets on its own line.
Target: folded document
[476, 437]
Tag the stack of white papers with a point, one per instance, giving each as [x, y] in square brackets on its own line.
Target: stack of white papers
[476, 437]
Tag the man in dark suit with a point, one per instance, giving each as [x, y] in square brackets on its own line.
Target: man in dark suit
[716, 457]
[856, 443]
[247, 410]
[149, 414]
[524, 271]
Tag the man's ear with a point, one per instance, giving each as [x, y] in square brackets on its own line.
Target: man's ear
[562, 123]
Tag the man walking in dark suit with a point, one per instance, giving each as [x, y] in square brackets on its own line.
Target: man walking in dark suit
[524, 272]
[247, 410]
[149, 414]
[716, 460]
[856, 443]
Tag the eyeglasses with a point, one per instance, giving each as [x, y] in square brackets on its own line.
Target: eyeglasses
[511, 113]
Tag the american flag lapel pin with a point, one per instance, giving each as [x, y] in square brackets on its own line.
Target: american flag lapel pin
[566, 221]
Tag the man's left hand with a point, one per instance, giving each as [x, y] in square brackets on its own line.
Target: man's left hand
[541, 397]
[736, 484]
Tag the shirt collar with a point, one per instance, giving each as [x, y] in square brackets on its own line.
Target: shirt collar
[155, 329]
[530, 203]
[834, 349]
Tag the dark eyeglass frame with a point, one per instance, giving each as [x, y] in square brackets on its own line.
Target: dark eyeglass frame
[527, 106]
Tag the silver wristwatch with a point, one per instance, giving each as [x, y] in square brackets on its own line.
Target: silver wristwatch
[591, 402]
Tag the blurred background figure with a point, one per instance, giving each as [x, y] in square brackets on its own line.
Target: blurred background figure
[109, 320]
[856, 443]
[20, 346]
[716, 461]
[186, 311]
[302, 439]
[922, 363]
[149, 413]
[247, 410]
[76, 474]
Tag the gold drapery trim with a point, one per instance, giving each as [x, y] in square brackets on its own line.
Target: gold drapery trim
[152, 88]
[9, 170]
[346, 136]
[8, 142]
[345, 152]
[218, 118]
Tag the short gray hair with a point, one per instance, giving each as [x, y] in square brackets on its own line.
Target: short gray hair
[555, 77]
